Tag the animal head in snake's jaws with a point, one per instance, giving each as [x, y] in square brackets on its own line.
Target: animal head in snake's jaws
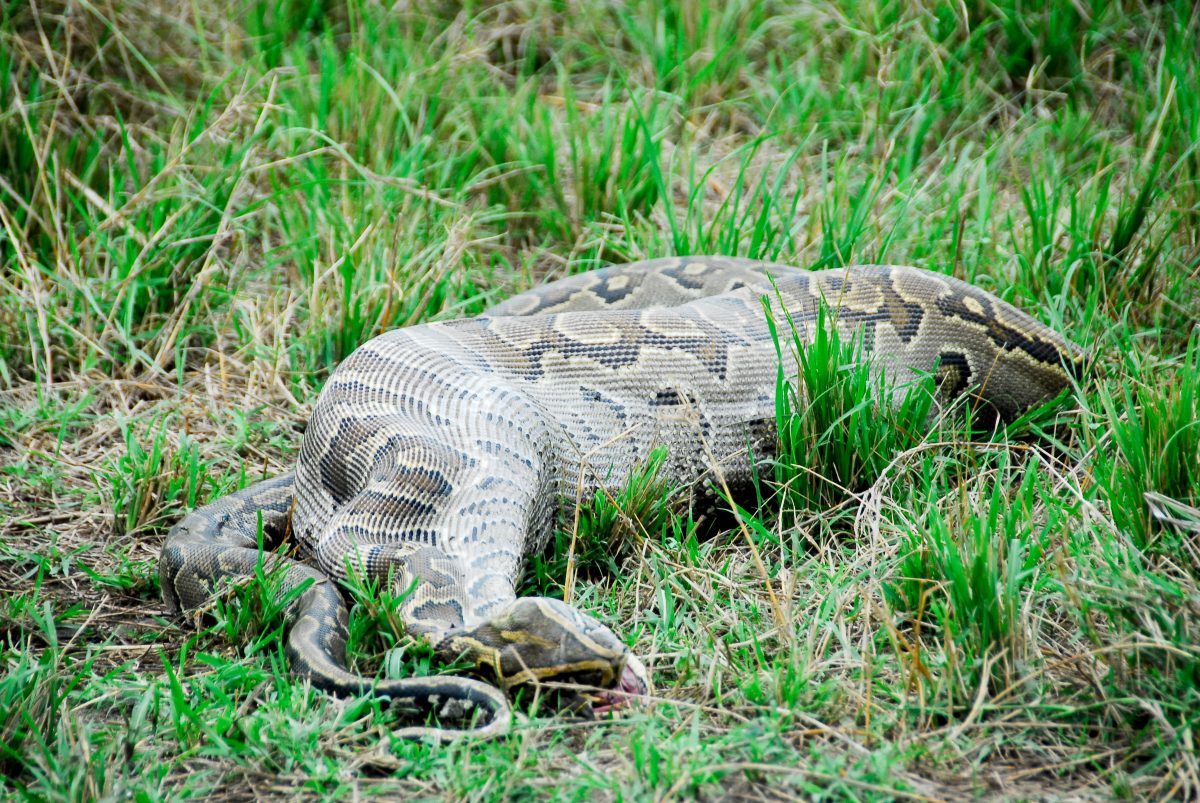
[536, 639]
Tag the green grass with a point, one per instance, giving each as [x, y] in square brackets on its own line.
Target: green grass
[838, 433]
[205, 206]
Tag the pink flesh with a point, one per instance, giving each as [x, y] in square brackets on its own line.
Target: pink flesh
[623, 696]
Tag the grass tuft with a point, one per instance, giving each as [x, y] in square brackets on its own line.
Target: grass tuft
[840, 423]
[1149, 470]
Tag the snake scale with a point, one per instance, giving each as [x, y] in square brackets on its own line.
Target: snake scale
[437, 455]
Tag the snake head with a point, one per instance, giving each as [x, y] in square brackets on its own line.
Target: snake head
[537, 640]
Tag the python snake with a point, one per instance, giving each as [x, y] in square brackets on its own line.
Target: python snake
[437, 455]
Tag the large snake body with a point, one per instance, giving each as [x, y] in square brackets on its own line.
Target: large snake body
[437, 455]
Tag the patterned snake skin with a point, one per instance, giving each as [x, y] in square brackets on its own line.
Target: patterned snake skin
[437, 455]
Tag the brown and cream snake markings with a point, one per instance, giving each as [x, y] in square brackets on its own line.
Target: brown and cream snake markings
[437, 455]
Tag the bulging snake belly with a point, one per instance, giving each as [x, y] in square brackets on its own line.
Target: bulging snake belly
[437, 455]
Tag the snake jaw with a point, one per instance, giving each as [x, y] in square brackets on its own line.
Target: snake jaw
[541, 642]
[585, 700]
[634, 683]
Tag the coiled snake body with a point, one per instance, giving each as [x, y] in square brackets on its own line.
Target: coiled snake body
[436, 455]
